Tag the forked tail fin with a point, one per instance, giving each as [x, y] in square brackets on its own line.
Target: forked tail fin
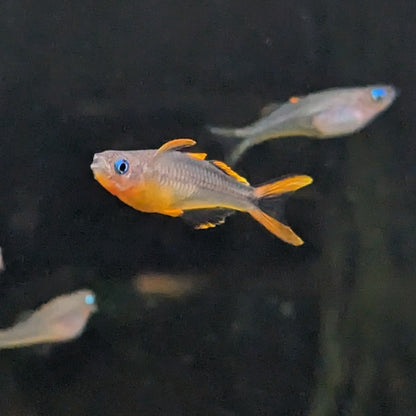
[276, 193]
[235, 144]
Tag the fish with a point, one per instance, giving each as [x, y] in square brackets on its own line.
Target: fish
[166, 285]
[2, 264]
[182, 184]
[325, 114]
[61, 319]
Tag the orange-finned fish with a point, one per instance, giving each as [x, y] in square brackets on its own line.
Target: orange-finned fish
[324, 114]
[202, 192]
[61, 319]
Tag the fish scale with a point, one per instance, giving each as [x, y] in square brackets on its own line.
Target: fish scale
[202, 176]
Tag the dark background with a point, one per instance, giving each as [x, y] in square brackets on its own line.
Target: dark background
[324, 329]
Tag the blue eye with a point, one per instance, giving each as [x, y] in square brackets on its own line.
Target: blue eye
[121, 166]
[90, 299]
[378, 94]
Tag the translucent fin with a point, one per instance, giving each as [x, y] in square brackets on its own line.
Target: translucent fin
[282, 231]
[176, 144]
[269, 108]
[283, 185]
[202, 219]
[238, 150]
[199, 156]
[226, 169]
[224, 131]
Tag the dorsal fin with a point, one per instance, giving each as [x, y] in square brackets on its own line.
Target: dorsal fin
[226, 169]
[294, 99]
[175, 144]
[269, 108]
[198, 156]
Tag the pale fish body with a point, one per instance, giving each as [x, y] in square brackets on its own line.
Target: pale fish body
[61, 319]
[174, 183]
[330, 113]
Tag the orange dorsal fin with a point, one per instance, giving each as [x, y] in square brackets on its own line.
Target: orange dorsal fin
[198, 156]
[294, 100]
[226, 169]
[175, 144]
[282, 186]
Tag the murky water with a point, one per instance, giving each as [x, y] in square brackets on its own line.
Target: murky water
[262, 328]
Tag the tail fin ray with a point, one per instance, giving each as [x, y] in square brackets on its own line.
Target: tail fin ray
[277, 192]
[236, 144]
[280, 230]
[283, 185]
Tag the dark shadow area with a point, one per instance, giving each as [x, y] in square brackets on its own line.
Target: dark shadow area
[327, 328]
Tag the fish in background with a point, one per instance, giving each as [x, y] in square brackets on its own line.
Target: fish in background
[202, 192]
[2, 264]
[330, 113]
[166, 285]
[61, 319]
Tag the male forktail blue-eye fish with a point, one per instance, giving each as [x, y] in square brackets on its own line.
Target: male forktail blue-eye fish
[179, 184]
[61, 319]
[323, 115]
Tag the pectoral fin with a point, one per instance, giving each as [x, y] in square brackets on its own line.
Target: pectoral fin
[202, 219]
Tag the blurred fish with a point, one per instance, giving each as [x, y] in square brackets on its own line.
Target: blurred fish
[2, 265]
[325, 114]
[61, 319]
[166, 285]
[202, 192]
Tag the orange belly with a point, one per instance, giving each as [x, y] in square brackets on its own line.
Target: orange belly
[151, 197]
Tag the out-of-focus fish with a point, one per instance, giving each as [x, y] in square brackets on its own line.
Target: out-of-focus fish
[61, 319]
[2, 265]
[166, 285]
[325, 114]
[202, 192]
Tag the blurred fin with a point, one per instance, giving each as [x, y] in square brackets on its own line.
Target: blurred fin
[269, 108]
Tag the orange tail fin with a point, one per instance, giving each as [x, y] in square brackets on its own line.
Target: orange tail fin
[282, 231]
[273, 193]
[282, 186]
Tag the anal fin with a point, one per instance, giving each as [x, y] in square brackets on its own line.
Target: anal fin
[202, 219]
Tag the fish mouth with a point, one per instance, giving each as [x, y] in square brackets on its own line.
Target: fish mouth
[98, 164]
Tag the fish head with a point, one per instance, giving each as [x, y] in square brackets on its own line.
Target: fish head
[74, 312]
[89, 301]
[378, 98]
[119, 171]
